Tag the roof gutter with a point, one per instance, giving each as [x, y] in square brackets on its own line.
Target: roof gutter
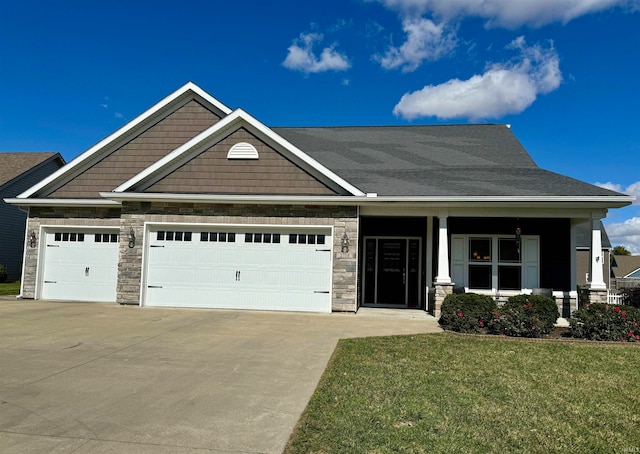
[448, 201]
[62, 202]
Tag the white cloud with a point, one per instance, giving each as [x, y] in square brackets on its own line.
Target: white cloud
[633, 189]
[302, 58]
[610, 186]
[503, 89]
[626, 233]
[507, 13]
[426, 40]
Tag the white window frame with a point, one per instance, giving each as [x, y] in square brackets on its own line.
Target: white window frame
[529, 263]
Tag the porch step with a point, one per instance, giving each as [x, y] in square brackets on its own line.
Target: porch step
[394, 313]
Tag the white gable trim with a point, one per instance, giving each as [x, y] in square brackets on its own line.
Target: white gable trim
[631, 274]
[183, 92]
[223, 128]
[62, 202]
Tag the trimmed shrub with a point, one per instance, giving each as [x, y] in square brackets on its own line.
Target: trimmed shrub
[525, 316]
[631, 296]
[466, 313]
[606, 322]
[543, 307]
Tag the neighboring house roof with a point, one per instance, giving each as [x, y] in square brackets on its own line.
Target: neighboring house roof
[15, 165]
[583, 236]
[625, 266]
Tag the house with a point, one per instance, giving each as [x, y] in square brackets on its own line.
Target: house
[18, 172]
[192, 204]
[625, 271]
[583, 251]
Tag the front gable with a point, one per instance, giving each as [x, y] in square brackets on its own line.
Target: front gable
[238, 156]
[139, 153]
[240, 163]
[156, 132]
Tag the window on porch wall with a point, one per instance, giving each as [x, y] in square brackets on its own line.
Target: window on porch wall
[490, 263]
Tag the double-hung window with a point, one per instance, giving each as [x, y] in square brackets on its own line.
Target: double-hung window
[495, 263]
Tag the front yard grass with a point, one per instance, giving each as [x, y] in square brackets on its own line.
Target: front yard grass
[447, 393]
[9, 288]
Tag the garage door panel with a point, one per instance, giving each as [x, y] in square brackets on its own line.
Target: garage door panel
[82, 269]
[268, 274]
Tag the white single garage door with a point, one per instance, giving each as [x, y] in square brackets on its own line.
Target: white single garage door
[269, 268]
[80, 265]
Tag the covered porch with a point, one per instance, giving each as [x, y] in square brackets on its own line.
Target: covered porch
[413, 258]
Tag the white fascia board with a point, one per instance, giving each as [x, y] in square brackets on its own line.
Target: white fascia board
[244, 199]
[219, 129]
[363, 200]
[62, 202]
[136, 122]
[515, 201]
[301, 155]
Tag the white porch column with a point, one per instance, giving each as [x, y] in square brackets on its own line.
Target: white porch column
[443, 276]
[596, 274]
[429, 259]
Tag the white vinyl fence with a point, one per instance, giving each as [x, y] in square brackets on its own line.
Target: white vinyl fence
[612, 298]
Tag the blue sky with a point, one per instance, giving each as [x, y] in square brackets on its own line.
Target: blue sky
[563, 73]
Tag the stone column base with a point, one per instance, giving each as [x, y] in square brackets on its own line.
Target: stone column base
[597, 295]
[442, 290]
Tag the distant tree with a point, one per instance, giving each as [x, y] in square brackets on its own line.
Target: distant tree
[620, 250]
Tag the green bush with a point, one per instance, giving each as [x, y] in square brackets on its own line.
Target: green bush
[544, 307]
[631, 296]
[605, 322]
[520, 321]
[467, 312]
[525, 316]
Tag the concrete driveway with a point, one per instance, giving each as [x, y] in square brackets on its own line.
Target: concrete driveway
[99, 378]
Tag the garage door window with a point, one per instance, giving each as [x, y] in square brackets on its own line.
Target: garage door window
[306, 239]
[266, 238]
[173, 236]
[215, 237]
[106, 238]
[69, 236]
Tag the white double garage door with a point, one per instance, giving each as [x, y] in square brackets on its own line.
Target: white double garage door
[232, 267]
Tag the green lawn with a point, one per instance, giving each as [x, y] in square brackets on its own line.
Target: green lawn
[9, 288]
[445, 393]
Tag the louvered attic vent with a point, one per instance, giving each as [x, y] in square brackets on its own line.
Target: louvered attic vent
[242, 150]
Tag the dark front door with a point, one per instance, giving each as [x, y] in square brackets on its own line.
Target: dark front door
[392, 272]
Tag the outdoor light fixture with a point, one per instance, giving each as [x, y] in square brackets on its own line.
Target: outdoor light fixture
[518, 236]
[345, 242]
[132, 238]
[32, 239]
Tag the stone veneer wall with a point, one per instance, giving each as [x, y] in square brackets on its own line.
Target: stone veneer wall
[343, 219]
[60, 216]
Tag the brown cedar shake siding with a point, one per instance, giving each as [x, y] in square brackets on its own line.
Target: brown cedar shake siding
[140, 152]
[212, 173]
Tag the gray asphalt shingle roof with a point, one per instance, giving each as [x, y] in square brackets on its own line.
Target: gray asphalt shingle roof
[442, 160]
[14, 164]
